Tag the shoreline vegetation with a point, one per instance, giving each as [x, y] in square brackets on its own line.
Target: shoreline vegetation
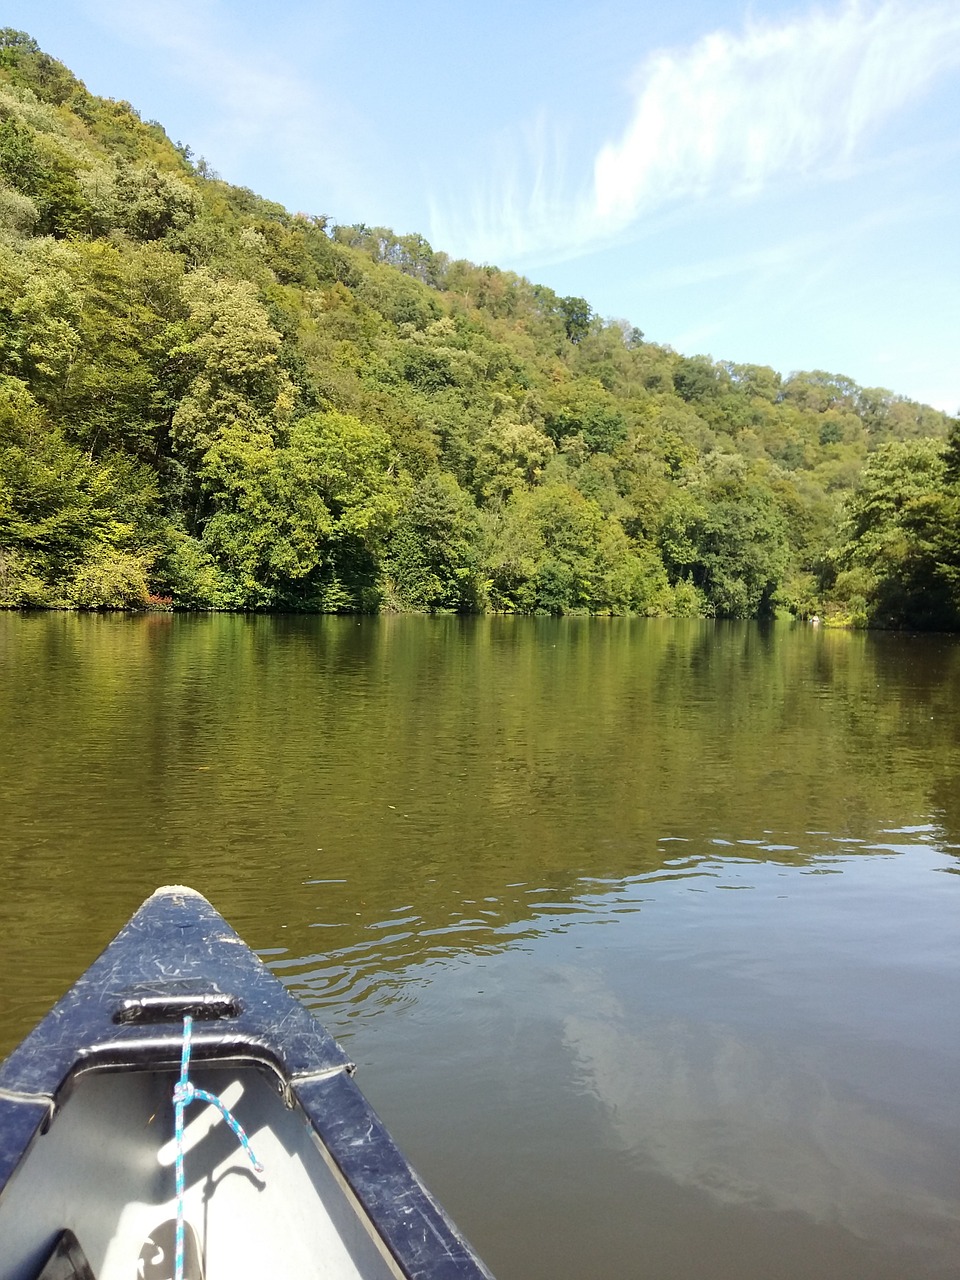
[210, 403]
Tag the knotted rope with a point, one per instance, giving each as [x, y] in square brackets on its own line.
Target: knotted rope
[185, 1092]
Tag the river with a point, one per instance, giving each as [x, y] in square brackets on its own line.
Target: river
[644, 935]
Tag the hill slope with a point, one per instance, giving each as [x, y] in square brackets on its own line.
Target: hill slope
[209, 401]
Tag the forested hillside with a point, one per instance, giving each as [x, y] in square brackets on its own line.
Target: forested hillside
[209, 402]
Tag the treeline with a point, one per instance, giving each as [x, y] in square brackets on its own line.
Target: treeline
[209, 402]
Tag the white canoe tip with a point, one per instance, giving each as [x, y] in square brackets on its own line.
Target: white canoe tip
[184, 890]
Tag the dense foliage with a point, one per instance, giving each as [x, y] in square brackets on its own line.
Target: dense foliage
[210, 402]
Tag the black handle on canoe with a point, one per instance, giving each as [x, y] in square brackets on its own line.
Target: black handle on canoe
[206, 1006]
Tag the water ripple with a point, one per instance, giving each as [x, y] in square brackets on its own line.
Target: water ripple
[382, 960]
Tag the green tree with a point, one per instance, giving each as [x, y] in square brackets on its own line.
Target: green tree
[551, 550]
[510, 456]
[726, 535]
[897, 556]
[434, 558]
[577, 315]
[348, 464]
[73, 530]
[584, 409]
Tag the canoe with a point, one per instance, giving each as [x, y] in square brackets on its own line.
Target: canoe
[175, 1024]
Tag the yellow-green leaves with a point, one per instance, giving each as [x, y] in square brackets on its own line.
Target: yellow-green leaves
[229, 356]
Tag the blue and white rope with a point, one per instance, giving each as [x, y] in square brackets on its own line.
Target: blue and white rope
[185, 1092]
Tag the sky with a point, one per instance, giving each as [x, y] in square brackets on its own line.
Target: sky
[766, 182]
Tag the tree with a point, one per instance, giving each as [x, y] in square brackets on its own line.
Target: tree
[433, 562]
[150, 204]
[92, 336]
[577, 315]
[510, 455]
[73, 530]
[897, 559]
[347, 464]
[697, 379]
[586, 409]
[551, 550]
[726, 535]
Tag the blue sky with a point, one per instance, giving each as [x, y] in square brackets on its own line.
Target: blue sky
[765, 182]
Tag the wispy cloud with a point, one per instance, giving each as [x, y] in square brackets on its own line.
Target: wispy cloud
[728, 116]
[736, 111]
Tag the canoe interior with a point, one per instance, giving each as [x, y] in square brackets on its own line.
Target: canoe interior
[105, 1170]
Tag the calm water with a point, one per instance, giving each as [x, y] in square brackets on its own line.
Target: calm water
[645, 935]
